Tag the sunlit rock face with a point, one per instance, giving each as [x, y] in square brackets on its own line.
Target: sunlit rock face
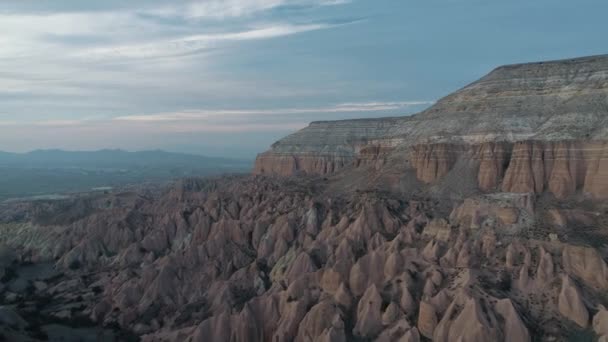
[526, 128]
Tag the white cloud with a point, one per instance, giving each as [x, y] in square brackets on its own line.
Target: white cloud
[222, 9]
[69, 47]
[59, 123]
[192, 43]
[215, 118]
[8, 123]
[58, 67]
[28, 35]
[126, 33]
[191, 115]
[229, 128]
[80, 126]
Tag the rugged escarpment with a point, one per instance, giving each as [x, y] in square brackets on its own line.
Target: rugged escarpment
[562, 168]
[327, 146]
[553, 115]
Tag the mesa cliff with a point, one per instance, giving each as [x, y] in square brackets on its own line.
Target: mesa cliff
[536, 127]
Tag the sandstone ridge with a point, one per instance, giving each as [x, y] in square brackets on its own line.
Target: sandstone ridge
[531, 127]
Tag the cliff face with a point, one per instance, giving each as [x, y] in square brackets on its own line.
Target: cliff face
[326, 147]
[531, 128]
[493, 158]
[288, 164]
[559, 167]
[433, 161]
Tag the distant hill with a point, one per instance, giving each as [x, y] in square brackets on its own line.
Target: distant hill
[113, 159]
[50, 172]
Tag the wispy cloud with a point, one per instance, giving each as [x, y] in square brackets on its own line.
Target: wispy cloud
[340, 108]
[59, 123]
[82, 45]
[229, 128]
[221, 9]
[72, 73]
[222, 119]
[193, 43]
[133, 33]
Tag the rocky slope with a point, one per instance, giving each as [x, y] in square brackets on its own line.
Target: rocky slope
[262, 259]
[553, 115]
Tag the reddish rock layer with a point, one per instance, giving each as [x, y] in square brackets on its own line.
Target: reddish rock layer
[492, 160]
[561, 168]
[434, 161]
[290, 164]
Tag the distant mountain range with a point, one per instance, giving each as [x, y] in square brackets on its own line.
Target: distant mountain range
[52, 172]
[114, 158]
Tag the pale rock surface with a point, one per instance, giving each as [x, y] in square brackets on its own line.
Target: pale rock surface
[369, 314]
[427, 319]
[587, 264]
[600, 321]
[570, 303]
[514, 329]
[465, 320]
[323, 321]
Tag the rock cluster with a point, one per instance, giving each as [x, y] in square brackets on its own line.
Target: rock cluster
[260, 259]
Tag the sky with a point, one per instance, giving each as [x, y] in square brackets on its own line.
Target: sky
[230, 77]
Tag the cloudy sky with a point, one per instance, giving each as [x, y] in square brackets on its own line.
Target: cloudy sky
[229, 77]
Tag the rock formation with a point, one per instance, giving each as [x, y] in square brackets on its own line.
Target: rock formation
[600, 322]
[478, 219]
[522, 128]
[570, 303]
[259, 259]
[587, 264]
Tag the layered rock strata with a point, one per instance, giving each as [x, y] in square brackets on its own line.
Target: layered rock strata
[562, 168]
[531, 127]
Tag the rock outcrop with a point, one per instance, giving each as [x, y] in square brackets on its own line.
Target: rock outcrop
[427, 319]
[570, 303]
[600, 322]
[587, 264]
[514, 329]
[522, 128]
